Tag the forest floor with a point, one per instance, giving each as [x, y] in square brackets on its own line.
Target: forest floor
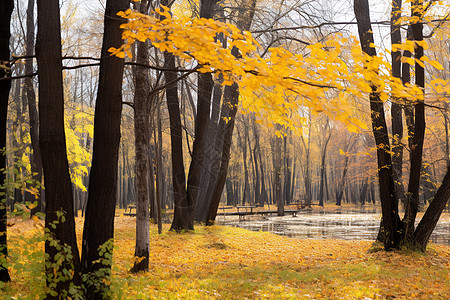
[232, 263]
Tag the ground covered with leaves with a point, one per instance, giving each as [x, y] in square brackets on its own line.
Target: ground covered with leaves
[232, 263]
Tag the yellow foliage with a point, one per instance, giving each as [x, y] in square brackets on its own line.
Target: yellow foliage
[282, 82]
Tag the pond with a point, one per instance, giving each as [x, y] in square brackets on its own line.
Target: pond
[346, 226]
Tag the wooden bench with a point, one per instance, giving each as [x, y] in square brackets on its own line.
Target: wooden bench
[130, 207]
[246, 207]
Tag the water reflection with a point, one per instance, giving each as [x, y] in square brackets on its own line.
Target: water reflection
[340, 225]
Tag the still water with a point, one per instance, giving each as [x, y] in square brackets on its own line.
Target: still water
[346, 226]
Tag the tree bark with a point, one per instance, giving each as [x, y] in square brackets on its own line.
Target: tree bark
[278, 197]
[141, 134]
[412, 201]
[6, 9]
[389, 203]
[229, 110]
[181, 212]
[322, 164]
[231, 98]
[396, 108]
[101, 204]
[58, 186]
[433, 213]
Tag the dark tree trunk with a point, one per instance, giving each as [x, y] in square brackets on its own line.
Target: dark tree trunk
[199, 159]
[231, 98]
[433, 213]
[412, 200]
[212, 153]
[141, 133]
[258, 199]
[6, 9]
[181, 212]
[225, 129]
[101, 204]
[181, 216]
[277, 195]
[159, 169]
[396, 108]
[322, 164]
[58, 186]
[406, 78]
[243, 146]
[307, 168]
[389, 203]
[202, 154]
[287, 173]
[36, 162]
[341, 183]
[264, 197]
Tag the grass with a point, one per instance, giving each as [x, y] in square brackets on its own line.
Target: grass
[232, 263]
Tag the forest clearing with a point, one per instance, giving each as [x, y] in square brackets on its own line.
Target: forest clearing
[220, 262]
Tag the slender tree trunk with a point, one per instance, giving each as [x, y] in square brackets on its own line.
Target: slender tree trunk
[278, 197]
[58, 186]
[159, 169]
[141, 134]
[36, 162]
[257, 176]
[6, 9]
[412, 201]
[389, 203]
[181, 207]
[322, 164]
[231, 98]
[307, 168]
[396, 108]
[99, 222]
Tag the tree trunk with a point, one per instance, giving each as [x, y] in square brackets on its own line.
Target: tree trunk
[58, 186]
[202, 154]
[225, 129]
[307, 169]
[396, 108]
[159, 169]
[141, 142]
[36, 161]
[412, 200]
[433, 213]
[278, 197]
[389, 203]
[6, 9]
[322, 164]
[99, 223]
[231, 98]
[258, 199]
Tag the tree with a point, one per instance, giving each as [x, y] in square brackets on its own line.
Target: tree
[181, 205]
[223, 141]
[99, 221]
[36, 162]
[412, 201]
[6, 9]
[395, 235]
[59, 221]
[396, 108]
[141, 133]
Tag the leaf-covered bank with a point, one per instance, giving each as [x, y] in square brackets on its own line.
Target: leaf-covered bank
[232, 263]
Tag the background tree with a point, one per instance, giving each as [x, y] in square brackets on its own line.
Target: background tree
[101, 203]
[59, 220]
[6, 9]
